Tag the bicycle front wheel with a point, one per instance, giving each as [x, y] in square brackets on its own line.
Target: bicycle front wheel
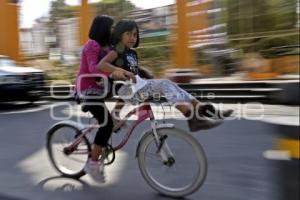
[68, 161]
[186, 166]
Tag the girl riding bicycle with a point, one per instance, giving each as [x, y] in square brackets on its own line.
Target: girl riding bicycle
[122, 56]
[92, 94]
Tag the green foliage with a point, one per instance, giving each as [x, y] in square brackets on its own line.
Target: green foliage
[117, 8]
[154, 58]
[262, 25]
[276, 46]
[60, 71]
[154, 53]
[202, 58]
[161, 38]
[160, 52]
[250, 16]
[60, 10]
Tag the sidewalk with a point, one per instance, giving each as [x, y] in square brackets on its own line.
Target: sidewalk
[240, 78]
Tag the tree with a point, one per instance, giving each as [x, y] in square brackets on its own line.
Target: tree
[59, 10]
[251, 16]
[119, 9]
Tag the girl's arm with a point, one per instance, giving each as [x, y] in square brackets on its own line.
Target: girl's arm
[145, 73]
[105, 64]
[117, 72]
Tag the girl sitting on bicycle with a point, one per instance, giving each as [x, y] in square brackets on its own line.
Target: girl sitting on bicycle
[122, 56]
[91, 95]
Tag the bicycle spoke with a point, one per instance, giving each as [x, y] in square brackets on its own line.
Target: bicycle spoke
[152, 155]
[179, 172]
[70, 163]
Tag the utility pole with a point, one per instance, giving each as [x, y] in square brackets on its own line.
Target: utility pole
[183, 54]
[84, 21]
[9, 29]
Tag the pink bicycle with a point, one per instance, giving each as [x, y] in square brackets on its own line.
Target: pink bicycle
[170, 159]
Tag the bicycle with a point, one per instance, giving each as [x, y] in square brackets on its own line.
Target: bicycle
[170, 159]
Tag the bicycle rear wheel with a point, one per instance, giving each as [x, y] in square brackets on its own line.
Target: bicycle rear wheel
[69, 162]
[186, 168]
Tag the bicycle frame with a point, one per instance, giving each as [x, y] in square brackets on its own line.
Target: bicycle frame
[143, 112]
[157, 134]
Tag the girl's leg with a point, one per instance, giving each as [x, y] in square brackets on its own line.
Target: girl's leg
[184, 108]
[188, 105]
[96, 152]
[182, 100]
[172, 92]
[101, 113]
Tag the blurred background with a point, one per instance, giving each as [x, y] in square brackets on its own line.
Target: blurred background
[232, 52]
[247, 39]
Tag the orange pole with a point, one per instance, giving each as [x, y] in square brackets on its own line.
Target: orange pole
[9, 30]
[84, 21]
[183, 54]
[13, 30]
[3, 25]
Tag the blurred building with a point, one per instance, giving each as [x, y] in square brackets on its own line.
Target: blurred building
[26, 41]
[39, 39]
[206, 22]
[68, 31]
[40, 32]
[209, 26]
[152, 20]
[34, 40]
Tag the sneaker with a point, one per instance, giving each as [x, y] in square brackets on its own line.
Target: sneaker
[209, 111]
[96, 170]
[196, 124]
[225, 113]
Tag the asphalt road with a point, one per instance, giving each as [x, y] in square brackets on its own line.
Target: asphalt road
[237, 169]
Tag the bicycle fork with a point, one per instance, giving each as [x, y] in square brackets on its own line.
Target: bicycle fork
[163, 148]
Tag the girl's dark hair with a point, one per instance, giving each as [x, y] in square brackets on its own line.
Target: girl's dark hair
[122, 27]
[100, 30]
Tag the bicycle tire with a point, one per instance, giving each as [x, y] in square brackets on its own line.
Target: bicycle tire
[51, 133]
[200, 157]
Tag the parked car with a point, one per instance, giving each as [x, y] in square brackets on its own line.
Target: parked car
[20, 83]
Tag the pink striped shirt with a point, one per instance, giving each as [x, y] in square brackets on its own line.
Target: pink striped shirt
[91, 54]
